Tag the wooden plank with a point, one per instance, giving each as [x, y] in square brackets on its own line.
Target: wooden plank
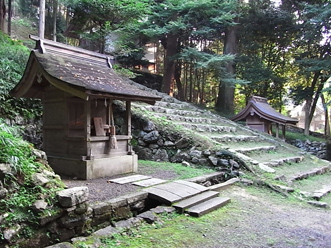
[98, 125]
[128, 179]
[194, 200]
[178, 189]
[222, 186]
[149, 182]
[162, 196]
[208, 206]
[192, 185]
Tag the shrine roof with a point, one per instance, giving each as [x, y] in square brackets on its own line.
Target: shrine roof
[77, 71]
[260, 107]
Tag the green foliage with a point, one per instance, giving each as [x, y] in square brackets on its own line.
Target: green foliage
[13, 60]
[18, 155]
[181, 171]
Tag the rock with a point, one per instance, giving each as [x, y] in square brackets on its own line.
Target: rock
[9, 233]
[186, 164]
[106, 232]
[40, 179]
[148, 126]
[180, 157]
[182, 143]
[39, 154]
[142, 143]
[145, 154]
[39, 206]
[246, 182]
[5, 169]
[223, 163]
[195, 153]
[266, 168]
[153, 146]
[234, 164]
[169, 143]
[61, 245]
[163, 209]
[319, 204]
[195, 160]
[3, 192]
[73, 196]
[161, 155]
[151, 137]
[148, 216]
[206, 153]
[213, 160]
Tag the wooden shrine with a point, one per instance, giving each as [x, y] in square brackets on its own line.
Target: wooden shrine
[77, 88]
[259, 115]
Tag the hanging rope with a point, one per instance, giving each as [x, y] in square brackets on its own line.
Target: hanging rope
[112, 129]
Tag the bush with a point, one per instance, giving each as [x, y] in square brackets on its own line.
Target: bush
[12, 64]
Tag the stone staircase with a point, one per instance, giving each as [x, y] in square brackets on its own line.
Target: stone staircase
[264, 154]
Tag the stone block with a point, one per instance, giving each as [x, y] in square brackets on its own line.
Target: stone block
[101, 208]
[73, 196]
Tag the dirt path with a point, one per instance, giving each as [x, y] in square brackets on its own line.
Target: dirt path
[256, 219]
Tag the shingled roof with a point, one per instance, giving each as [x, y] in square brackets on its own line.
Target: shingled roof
[260, 106]
[77, 71]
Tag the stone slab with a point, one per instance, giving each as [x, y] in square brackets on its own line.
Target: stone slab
[129, 179]
[318, 194]
[149, 182]
[194, 200]
[208, 206]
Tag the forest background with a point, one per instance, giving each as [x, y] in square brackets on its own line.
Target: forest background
[213, 53]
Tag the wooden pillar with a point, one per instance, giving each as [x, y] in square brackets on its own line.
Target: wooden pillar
[283, 131]
[128, 125]
[88, 130]
[277, 130]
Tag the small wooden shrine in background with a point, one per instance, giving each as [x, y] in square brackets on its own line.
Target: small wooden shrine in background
[77, 88]
[259, 115]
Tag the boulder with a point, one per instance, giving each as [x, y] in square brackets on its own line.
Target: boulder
[161, 155]
[148, 126]
[151, 137]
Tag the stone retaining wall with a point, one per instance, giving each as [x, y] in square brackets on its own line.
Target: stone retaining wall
[74, 216]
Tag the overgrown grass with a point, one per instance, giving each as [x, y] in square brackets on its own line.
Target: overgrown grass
[182, 172]
[300, 136]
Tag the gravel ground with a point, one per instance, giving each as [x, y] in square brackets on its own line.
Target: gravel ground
[101, 190]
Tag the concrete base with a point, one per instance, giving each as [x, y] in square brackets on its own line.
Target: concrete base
[96, 168]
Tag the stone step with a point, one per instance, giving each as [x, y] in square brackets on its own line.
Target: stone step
[182, 105]
[187, 119]
[235, 138]
[254, 149]
[313, 172]
[208, 128]
[208, 206]
[281, 161]
[194, 200]
[318, 194]
[173, 111]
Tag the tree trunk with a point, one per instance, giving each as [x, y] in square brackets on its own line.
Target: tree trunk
[10, 12]
[42, 19]
[169, 63]
[2, 15]
[326, 116]
[225, 100]
[179, 82]
[313, 102]
[54, 18]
